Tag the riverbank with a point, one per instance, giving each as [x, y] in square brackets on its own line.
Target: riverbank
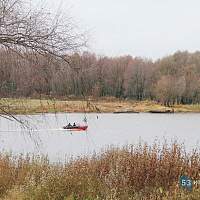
[109, 105]
[134, 172]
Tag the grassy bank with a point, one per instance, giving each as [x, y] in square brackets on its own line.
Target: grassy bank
[134, 172]
[109, 105]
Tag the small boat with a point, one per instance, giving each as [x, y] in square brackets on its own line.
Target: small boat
[161, 111]
[75, 128]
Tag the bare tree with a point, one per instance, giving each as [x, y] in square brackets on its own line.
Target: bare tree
[25, 29]
[169, 89]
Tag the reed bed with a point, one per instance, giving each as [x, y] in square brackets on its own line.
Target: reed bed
[132, 172]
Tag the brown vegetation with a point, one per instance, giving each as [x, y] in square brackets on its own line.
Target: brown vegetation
[31, 39]
[37, 58]
[171, 80]
[105, 105]
[134, 172]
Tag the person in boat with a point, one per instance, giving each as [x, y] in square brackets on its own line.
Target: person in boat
[74, 125]
[69, 125]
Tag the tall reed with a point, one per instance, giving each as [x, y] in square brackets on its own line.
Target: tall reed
[131, 172]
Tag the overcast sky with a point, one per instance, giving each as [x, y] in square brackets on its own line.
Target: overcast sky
[146, 28]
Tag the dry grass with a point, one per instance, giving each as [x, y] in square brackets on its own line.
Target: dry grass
[33, 106]
[134, 172]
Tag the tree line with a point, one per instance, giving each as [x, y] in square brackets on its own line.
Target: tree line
[172, 79]
[38, 56]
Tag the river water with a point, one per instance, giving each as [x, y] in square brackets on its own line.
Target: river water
[45, 136]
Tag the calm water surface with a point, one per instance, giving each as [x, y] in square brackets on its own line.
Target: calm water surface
[46, 136]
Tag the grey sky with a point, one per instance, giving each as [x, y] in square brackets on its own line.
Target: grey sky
[146, 28]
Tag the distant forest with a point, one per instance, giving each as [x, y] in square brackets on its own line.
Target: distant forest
[172, 79]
